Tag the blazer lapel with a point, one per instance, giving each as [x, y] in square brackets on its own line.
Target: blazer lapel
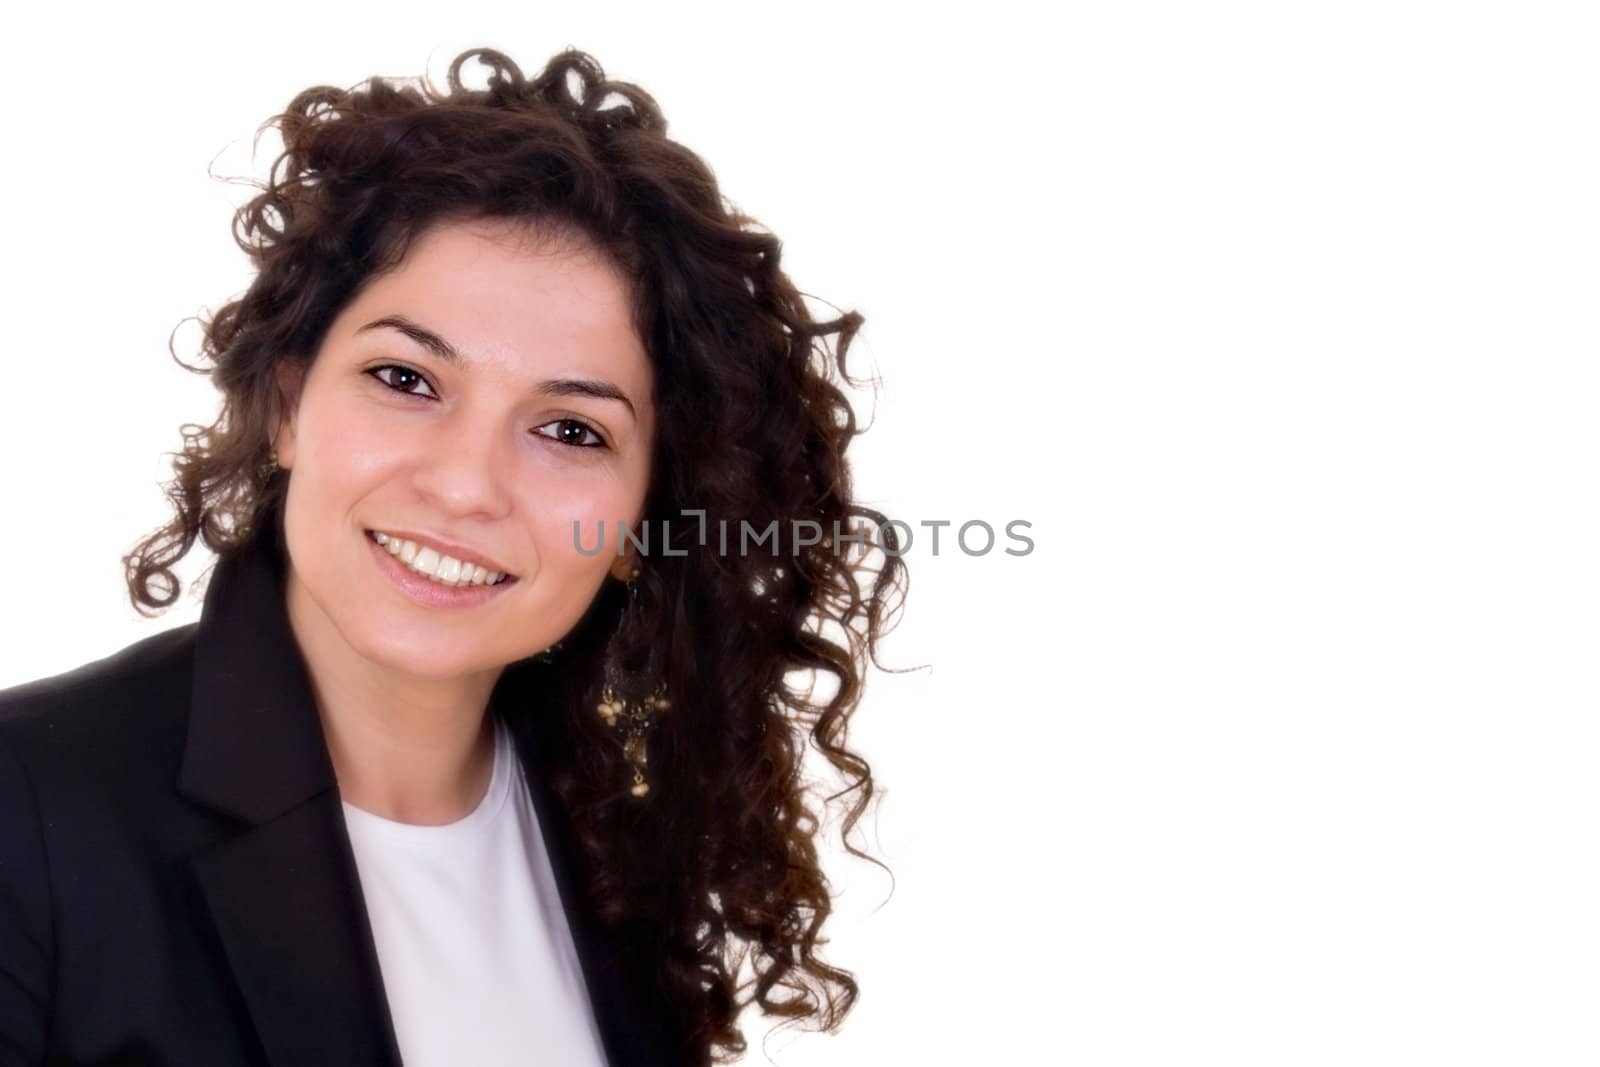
[299, 942]
[635, 1025]
[284, 893]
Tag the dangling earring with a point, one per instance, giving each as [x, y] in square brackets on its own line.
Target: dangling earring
[270, 466]
[628, 698]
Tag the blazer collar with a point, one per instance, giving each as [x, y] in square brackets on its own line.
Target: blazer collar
[285, 892]
[255, 745]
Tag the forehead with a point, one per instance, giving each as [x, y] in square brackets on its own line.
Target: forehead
[514, 302]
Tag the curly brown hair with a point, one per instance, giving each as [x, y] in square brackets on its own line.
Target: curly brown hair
[754, 425]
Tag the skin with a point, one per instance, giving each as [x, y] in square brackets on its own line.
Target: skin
[477, 454]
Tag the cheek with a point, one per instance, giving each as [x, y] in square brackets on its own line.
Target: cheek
[347, 441]
[592, 509]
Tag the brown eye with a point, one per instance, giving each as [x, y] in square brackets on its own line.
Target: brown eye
[572, 432]
[404, 374]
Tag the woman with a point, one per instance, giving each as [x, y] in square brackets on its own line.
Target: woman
[528, 493]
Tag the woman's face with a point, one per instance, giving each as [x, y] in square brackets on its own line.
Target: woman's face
[497, 451]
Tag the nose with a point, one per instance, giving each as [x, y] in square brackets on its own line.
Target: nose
[464, 468]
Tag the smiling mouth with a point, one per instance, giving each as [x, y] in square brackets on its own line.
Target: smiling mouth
[436, 567]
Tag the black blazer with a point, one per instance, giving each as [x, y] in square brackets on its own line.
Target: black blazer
[177, 885]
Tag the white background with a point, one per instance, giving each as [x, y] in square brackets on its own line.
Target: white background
[1277, 321]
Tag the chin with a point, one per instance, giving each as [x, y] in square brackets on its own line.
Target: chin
[425, 652]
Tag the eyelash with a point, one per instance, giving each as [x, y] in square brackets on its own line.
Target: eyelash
[374, 372]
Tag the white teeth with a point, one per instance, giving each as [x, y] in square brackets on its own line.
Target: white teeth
[446, 570]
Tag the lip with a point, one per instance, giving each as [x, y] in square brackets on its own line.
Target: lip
[443, 547]
[429, 593]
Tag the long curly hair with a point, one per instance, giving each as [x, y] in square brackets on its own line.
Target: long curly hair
[720, 861]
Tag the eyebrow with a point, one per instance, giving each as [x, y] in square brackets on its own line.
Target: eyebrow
[596, 388]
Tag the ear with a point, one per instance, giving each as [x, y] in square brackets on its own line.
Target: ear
[288, 378]
[626, 566]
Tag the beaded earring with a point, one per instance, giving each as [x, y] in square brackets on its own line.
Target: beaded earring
[630, 697]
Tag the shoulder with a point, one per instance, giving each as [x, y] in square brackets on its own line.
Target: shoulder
[87, 812]
[112, 709]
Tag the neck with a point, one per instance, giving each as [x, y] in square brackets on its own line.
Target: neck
[408, 748]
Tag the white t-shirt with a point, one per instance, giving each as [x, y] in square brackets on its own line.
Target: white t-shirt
[476, 955]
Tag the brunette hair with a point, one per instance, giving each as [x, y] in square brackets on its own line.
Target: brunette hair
[720, 859]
